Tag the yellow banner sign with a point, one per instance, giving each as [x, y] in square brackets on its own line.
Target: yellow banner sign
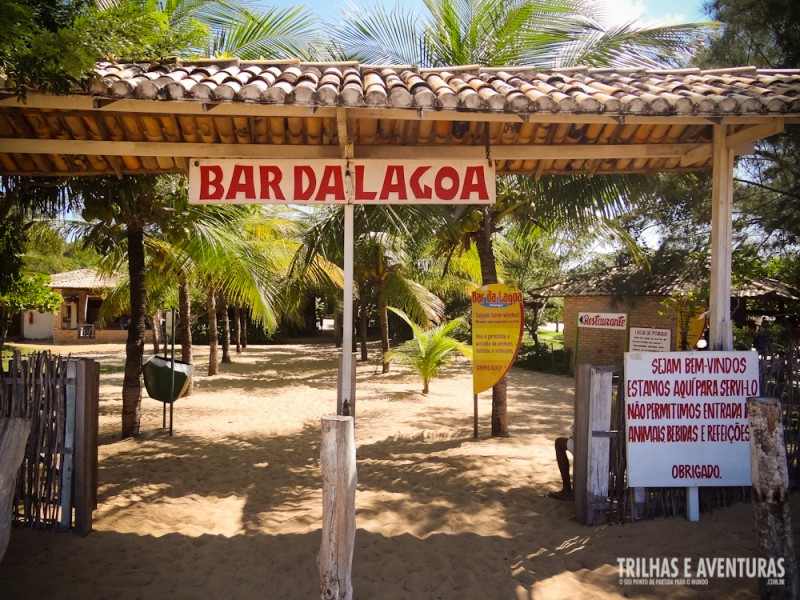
[497, 320]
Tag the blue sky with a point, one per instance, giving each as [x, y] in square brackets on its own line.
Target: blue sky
[663, 11]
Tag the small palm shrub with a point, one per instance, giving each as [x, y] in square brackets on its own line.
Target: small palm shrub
[430, 350]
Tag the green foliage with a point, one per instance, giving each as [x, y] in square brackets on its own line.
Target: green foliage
[26, 293]
[685, 307]
[13, 239]
[430, 350]
[53, 46]
[764, 33]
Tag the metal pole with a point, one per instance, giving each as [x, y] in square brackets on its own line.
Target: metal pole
[347, 337]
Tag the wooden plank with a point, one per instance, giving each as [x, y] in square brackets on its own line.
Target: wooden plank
[338, 463]
[600, 392]
[67, 462]
[580, 465]
[753, 133]
[83, 494]
[14, 434]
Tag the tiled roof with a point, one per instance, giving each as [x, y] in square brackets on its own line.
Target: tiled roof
[83, 279]
[155, 117]
[628, 281]
[496, 89]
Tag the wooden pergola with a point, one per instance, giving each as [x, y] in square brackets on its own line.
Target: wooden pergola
[155, 118]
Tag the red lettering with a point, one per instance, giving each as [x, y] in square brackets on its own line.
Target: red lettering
[444, 174]
[361, 193]
[420, 193]
[331, 184]
[271, 178]
[304, 191]
[474, 183]
[394, 182]
[241, 183]
[211, 183]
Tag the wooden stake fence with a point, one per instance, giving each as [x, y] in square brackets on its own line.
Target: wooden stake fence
[59, 398]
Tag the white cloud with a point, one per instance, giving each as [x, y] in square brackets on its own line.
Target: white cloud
[614, 12]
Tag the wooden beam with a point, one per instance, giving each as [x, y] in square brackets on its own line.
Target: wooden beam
[170, 149]
[753, 133]
[700, 154]
[266, 151]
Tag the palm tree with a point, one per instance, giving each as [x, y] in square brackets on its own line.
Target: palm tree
[549, 33]
[430, 350]
[383, 263]
[125, 208]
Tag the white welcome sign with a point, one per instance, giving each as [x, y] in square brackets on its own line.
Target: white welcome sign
[686, 418]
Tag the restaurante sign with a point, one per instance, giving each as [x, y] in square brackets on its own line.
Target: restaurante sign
[232, 181]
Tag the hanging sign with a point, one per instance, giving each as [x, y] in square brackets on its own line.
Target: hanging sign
[497, 321]
[686, 418]
[320, 181]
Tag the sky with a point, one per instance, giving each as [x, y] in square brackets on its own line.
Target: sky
[665, 12]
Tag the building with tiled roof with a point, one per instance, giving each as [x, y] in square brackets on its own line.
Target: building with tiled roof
[78, 318]
[640, 294]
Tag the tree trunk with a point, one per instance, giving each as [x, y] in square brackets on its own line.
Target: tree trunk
[134, 346]
[338, 334]
[383, 313]
[185, 326]
[237, 321]
[771, 495]
[245, 322]
[488, 276]
[362, 307]
[211, 309]
[226, 328]
[155, 319]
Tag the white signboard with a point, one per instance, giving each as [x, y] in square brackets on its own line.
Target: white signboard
[648, 339]
[602, 320]
[686, 418]
[234, 181]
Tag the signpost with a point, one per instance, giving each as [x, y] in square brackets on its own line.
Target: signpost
[497, 322]
[648, 339]
[345, 182]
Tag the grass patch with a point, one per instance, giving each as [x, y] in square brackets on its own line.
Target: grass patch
[548, 336]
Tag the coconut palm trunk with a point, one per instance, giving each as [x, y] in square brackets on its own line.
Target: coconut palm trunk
[185, 325]
[237, 321]
[134, 346]
[364, 320]
[383, 312]
[488, 276]
[211, 310]
[225, 323]
[155, 319]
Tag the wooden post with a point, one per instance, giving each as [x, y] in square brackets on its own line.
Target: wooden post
[14, 434]
[86, 425]
[770, 494]
[338, 463]
[69, 444]
[475, 415]
[592, 442]
[579, 460]
[351, 405]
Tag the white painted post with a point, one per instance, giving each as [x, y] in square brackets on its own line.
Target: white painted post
[351, 406]
[347, 338]
[339, 479]
[720, 326]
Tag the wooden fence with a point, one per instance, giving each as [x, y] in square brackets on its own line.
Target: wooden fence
[57, 481]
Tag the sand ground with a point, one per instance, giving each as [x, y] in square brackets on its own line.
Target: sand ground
[230, 505]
